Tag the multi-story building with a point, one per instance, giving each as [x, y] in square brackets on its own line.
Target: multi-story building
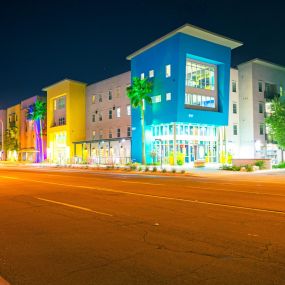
[13, 127]
[3, 125]
[259, 82]
[65, 120]
[190, 70]
[32, 146]
[108, 121]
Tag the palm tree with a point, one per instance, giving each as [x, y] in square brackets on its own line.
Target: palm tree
[138, 94]
[37, 113]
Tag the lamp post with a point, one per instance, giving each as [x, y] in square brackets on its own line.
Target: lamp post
[160, 140]
[2, 137]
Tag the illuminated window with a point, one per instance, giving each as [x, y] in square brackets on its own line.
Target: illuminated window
[168, 71]
[168, 96]
[200, 100]
[151, 73]
[234, 86]
[118, 112]
[156, 99]
[128, 110]
[235, 108]
[235, 130]
[60, 102]
[129, 131]
[93, 99]
[142, 76]
[200, 75]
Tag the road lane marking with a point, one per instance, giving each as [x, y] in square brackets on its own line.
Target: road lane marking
[151, 196]
[3, 281]
[73, 206]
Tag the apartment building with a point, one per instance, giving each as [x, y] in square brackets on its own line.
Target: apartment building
[259, 82]
[65, 120]
[108, 121]
[3, 126]
[33, 135]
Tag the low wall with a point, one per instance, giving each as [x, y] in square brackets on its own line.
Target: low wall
[245, 161]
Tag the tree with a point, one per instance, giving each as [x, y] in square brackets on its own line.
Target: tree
[139, 94]
[11, 142]
[276, 122]
[37, 113]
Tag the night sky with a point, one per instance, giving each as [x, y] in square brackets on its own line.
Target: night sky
[43, 42]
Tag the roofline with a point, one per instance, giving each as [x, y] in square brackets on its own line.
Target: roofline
[109, 78]
[265, 63]
[204, 34]
[61, 81]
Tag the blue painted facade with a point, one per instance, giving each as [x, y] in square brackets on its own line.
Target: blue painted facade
[174, 51]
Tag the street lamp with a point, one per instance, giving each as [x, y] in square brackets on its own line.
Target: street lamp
[160, 140]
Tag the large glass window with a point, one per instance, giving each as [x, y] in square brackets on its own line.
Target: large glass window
[200, 100]
[199, 75]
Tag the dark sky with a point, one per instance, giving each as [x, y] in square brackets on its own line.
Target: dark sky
[42, 42]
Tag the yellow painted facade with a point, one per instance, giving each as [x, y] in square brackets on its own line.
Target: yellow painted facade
[13, 120]
[65, 119]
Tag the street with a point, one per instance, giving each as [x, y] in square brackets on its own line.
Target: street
[67, 226]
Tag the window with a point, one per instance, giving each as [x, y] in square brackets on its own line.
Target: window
[110, 133]
[93, 99]
[168, 71]
[100, 116]
[234, 86]
[235, 130]
[93, 118]
[151, 73]
[110, 114]
[156, 99]
[142, 76]
[260, 107]
[93, 135]
[118, 111]
[128, 110]
[100, 98]
[200, 100]
[129, 131]
[261, 129]
[110, 95]
[118, 133]
[235, 108]
[168, 96]
[61, 102]
[200, 75]
[61, 121]
[259, 86]
[100, 134]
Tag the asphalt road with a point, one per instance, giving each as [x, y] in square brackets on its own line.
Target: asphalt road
[87, 227]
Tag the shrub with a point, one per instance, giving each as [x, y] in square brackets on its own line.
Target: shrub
[260, 164]
[154, 169]
[249, 167]
[280, 165]
[182, 171]
[140, 168]
[163, 170]
[173, 170]
[146, 169]
[133, 167]
[236, 168]
[231, 168]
